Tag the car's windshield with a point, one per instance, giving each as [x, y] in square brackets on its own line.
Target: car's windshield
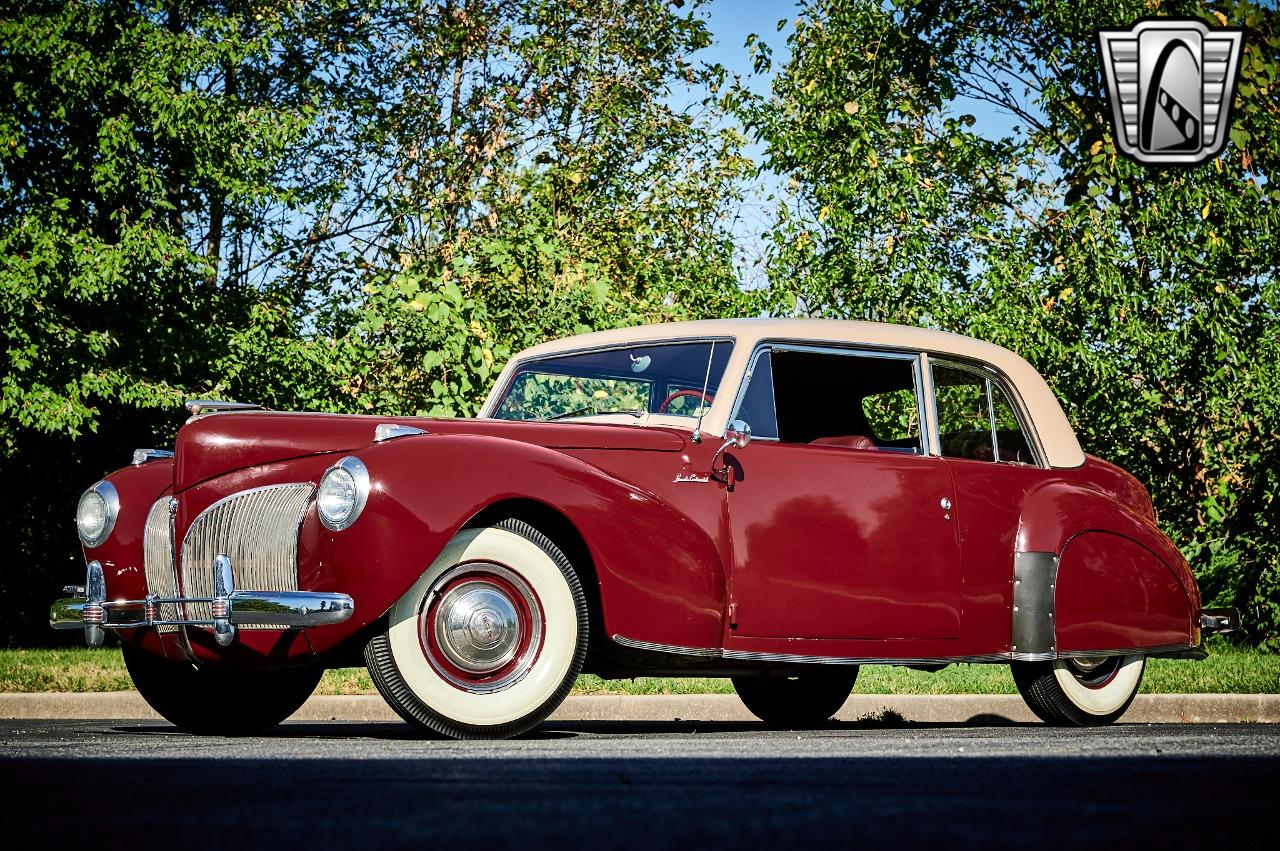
[662, 378]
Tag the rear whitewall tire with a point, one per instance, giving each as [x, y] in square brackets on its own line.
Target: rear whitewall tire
[415, 686]
[1079, 692]
[1111, 698]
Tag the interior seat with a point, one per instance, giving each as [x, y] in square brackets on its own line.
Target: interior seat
[848, 441]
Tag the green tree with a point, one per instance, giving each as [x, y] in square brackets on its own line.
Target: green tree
[514, 171]
[1148, 296]
[327, 205]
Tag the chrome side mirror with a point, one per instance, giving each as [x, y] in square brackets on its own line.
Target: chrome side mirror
[737, 435]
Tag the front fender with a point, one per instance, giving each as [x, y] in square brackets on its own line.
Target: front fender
[660, 576]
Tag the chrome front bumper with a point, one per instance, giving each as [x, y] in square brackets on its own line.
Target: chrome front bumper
[90, 610]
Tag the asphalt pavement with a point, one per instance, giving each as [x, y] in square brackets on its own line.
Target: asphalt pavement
[984, 784]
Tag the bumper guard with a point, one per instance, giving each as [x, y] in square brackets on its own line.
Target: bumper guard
[89, 609]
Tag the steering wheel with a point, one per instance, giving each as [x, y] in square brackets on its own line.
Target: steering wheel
[666, 403]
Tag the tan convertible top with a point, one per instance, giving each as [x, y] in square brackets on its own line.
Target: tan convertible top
[1054, 432]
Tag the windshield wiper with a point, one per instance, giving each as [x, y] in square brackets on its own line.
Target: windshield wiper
[590, 411]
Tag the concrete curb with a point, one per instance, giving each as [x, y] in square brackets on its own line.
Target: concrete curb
[925, 709]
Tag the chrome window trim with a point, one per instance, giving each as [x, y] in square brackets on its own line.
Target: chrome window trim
[927, 402]
[743, 386]
[1006, 387]
[844, 351]
[515, 366]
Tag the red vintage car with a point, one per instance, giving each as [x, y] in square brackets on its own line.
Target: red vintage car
[775, 501]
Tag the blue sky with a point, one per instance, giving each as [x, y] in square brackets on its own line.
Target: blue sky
[731, 21]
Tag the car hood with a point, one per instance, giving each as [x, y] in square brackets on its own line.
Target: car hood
[214, 444]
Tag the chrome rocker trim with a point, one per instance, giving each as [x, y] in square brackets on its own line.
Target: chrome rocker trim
[793, 658]
[750, 656]
[231, 608]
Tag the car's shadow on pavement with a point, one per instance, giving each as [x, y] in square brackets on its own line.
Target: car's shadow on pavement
[396, 730]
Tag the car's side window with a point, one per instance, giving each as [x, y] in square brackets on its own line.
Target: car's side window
[975, 419]
[894, 416]
[1011, 443]
[830, 398]
[757, 402]
[964, 416]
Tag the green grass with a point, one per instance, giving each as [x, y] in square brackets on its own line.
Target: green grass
[1227, 670]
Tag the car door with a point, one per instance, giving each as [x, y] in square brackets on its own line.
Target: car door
[839, 519]
[993, 466]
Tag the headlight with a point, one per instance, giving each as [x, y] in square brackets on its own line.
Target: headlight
[344, 487]
[96, 513]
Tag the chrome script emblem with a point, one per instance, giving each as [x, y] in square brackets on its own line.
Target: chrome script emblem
[1170, 83]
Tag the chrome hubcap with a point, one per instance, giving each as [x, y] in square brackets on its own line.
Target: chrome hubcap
[478, 626]
[1094, 671]
[1086, 664]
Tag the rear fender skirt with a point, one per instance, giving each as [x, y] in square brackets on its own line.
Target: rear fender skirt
[1055, 515]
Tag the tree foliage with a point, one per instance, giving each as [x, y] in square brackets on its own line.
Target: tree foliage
[1148, 296]
[328, 204]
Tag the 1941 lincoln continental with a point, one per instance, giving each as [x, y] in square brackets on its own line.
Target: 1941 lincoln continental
[775, 501]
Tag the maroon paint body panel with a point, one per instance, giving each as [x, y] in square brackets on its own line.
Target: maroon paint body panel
[1113, 592]
[842, 543]
[808, 550]
[989, 501]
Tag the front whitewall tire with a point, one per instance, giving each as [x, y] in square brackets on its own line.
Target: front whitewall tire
[415, 686]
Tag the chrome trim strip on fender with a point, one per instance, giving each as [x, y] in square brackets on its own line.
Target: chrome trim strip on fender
[1035, 575]
[1157, 650]
[390, 431]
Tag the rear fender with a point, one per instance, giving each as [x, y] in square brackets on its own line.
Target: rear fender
[660, 576]
[1117, 581]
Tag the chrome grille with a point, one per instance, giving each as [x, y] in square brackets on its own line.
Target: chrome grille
[157, 560]
[258, 530]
